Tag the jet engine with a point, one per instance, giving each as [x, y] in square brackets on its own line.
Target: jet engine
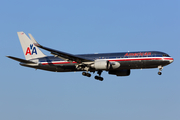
[120, 72]
[101, 65]
[105, 65]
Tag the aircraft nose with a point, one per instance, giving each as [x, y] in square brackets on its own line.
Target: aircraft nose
[171, 60]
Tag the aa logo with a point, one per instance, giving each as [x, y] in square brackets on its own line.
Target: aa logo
[31, 48]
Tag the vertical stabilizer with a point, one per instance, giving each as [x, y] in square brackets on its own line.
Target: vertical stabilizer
[29, 49]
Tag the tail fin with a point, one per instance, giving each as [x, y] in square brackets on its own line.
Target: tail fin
[29, 49]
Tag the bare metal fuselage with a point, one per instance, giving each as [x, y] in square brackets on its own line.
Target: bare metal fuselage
[56, 64]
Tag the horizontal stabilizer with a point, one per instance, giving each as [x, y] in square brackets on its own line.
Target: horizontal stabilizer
[21, 60]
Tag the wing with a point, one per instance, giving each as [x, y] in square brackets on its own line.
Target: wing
[63, 55]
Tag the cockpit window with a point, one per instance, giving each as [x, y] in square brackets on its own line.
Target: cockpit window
[166, 55]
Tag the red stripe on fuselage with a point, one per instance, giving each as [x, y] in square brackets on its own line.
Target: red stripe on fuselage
[168, 59]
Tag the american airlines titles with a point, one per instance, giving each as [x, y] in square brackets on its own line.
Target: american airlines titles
[138, 54]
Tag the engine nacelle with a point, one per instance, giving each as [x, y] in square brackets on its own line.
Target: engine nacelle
[114, 65]
[120, 72]
[101, 65]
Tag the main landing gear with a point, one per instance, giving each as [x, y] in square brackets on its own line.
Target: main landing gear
[99, 77]
[86, 74]
[96, 77]
[160, 69]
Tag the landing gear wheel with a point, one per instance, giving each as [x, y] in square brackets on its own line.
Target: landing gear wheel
[98, 78]
[86, 74]
[101, 78]
[159, 73]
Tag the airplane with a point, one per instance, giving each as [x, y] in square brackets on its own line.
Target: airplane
[119, 64]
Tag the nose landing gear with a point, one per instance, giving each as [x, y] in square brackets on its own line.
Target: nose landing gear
[160, 69]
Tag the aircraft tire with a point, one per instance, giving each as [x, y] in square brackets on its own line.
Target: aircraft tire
[101, 78]
[98, 78]
[88, 75]
[84, 73]
[159, 73]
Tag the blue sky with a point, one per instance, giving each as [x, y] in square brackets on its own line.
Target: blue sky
[91, 26]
